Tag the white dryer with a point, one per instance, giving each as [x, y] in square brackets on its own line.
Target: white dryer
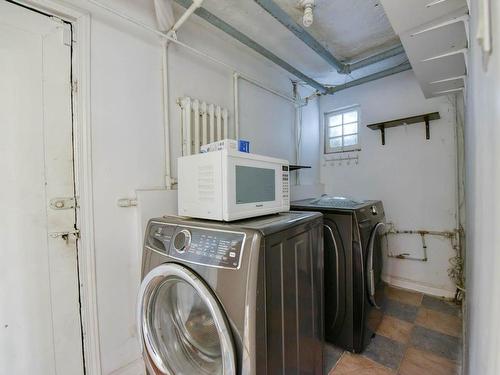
[238, 298]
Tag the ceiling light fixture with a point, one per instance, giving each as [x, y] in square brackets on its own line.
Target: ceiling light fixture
[308, 6]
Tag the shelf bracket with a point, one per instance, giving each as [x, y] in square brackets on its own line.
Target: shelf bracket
[382, 134]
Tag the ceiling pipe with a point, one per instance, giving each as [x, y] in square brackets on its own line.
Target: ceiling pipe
[195, 4]
[370, 60]
[274, 10]
[322, 89]
[242, 38]
[343, 68]
[372, 77]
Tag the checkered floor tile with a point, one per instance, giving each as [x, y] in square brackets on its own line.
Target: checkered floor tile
[418, 335]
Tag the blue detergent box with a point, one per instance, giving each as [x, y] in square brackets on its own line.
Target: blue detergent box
[243, 146]
[226, 144]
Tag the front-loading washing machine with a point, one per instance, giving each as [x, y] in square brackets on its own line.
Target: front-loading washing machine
[233, 298]
[354, 290]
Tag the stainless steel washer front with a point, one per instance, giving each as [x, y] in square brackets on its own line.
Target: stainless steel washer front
[216, 299]
[183, 327]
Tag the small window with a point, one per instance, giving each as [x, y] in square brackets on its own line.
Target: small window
[341, 130]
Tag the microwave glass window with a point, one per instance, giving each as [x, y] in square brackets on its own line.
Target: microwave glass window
[255, 185]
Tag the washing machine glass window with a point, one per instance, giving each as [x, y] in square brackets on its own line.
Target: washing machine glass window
[184, 328]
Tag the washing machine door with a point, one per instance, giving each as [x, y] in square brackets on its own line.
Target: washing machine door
[182, 325]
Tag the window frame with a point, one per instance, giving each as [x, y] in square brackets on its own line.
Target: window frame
[326, 138]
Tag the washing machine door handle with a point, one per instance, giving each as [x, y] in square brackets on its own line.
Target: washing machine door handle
[370, 271]
[332, 237]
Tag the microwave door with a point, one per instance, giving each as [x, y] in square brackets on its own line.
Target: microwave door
[254, 188]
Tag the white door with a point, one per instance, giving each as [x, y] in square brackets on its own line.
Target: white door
[40, 329]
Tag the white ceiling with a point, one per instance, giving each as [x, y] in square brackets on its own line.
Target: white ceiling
[349, 29]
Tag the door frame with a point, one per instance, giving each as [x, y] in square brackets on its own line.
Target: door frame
[82, 147]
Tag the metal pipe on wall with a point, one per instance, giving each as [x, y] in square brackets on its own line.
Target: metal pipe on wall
[321, 88]
[195, 5]
[186, 46]
[169, 180]
[451, 235]
[166, 116]
[242, 38]
[236, 98]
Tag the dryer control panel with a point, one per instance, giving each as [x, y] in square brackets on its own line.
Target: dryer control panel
[216, 248]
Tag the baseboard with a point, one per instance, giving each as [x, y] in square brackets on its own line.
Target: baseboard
[401, 282]
[133, 368]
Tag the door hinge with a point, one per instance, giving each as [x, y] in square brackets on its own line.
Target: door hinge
[63, 203]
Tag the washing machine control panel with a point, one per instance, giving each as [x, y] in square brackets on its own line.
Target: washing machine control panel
[182, 241]
[207, 247]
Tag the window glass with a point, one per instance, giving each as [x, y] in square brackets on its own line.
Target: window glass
[341, 130]
[335, 120]
[351, 128]
[350, 117]
[336, 142]
[350, 140]
[335, 132]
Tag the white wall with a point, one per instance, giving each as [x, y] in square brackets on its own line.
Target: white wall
[483, 204]
[414, 177]
[128, 150]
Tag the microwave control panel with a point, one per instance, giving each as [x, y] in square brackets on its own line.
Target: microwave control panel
[285, 183]
[214, 248]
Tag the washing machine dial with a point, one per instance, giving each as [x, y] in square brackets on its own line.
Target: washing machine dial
[182, 240]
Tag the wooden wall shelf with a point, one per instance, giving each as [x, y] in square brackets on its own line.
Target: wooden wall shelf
[426, 118]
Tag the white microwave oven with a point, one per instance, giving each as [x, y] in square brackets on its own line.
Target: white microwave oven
[230, 185]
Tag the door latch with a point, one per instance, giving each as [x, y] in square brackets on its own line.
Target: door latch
[62, 203]
[65, 235]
